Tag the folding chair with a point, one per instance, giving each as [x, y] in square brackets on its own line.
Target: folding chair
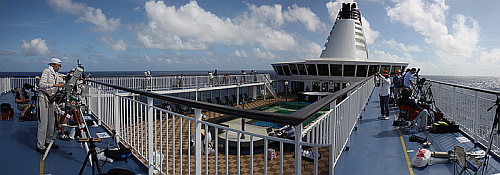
[228, 101]
[465, 163]
[209, 100]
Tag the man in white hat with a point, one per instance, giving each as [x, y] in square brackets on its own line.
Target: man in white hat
[50, 82]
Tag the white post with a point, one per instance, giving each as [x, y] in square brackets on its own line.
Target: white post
[254, 92]
[116, 117]
[237, 96]
[150, 136]
[333, 118]
[197, 140]
[99, 104]
[298, 150]
[475, 129]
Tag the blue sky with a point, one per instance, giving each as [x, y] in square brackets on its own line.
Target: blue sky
[443, 37]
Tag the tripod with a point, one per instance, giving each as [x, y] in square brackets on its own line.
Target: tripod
[92, 152]
[496, 125]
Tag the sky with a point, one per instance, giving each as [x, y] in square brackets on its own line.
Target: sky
[442, 37]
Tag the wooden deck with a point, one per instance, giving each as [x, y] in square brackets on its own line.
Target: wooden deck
[273, 166]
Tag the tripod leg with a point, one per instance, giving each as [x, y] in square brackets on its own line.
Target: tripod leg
[84, 163]
[96, 163]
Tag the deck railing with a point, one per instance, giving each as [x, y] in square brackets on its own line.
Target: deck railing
[468, 108]
[163, 138]
[7, 84]
[151, 83]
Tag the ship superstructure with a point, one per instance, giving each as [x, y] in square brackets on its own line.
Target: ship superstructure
[344, 59]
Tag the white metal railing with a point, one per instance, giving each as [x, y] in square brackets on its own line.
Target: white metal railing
[9, 83]
[468, 108]
[180, 82]
[162, 138]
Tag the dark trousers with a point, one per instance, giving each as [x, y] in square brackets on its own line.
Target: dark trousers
[384, 105]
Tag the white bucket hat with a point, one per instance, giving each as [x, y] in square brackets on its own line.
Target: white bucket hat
[55, 61]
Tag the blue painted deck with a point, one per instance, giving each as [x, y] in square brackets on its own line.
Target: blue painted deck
[377, 147]
[18, 155]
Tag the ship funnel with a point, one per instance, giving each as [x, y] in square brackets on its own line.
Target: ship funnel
[346, 40]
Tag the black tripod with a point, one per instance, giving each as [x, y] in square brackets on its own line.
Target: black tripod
[496, 125]
[93, 153]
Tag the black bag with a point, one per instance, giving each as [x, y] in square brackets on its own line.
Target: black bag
[5, 107]
[120, 154]
[399, 123]
[444, 127]
[117, 171]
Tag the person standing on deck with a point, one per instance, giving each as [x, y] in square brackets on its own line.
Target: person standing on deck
[211, 78]
[385, 84]
[398, 81]
[407, 79]
[50, 82]
[216, 78]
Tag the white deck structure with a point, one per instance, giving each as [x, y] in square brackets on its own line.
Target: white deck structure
[344, 59]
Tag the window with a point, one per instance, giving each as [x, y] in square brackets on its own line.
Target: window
[336, 87]
[316, 86]
[302, 69]
[286, 69]
[323, 70]
[393, 70]
[385, 67]
[373, 70]
[280, 70]
[275, 70]
[349, 70]
[336, 69]
[311, 69]
[293, 69]
[361, 71]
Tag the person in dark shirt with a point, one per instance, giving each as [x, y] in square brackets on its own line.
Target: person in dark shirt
[415, 111]
[23, 100]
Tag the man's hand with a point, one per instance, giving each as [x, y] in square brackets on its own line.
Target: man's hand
[58, 85]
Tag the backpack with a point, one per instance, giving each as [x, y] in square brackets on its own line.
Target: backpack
[118, 154]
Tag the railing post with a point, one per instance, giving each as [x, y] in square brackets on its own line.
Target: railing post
[150, 136]
[476, 118]
[333, 114]
[197, 141]
[298, 150]
[454, 102]
[116, 117]
[99, 104]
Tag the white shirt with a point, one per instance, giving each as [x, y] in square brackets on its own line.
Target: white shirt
[385, 85]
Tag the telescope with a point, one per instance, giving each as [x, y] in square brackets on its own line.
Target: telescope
[70, 88]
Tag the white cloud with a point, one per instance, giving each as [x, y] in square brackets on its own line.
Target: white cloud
[305, 16]
[429, 19]
[264, 55]
[114, 45]
[36, 47]
[5, 52]
[87, 14]
[190, 27]
[241, 53]
[393, 44]
[489, 60]
[333, 10]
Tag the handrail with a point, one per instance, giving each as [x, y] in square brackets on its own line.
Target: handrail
[466, 87]
[293, 119]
